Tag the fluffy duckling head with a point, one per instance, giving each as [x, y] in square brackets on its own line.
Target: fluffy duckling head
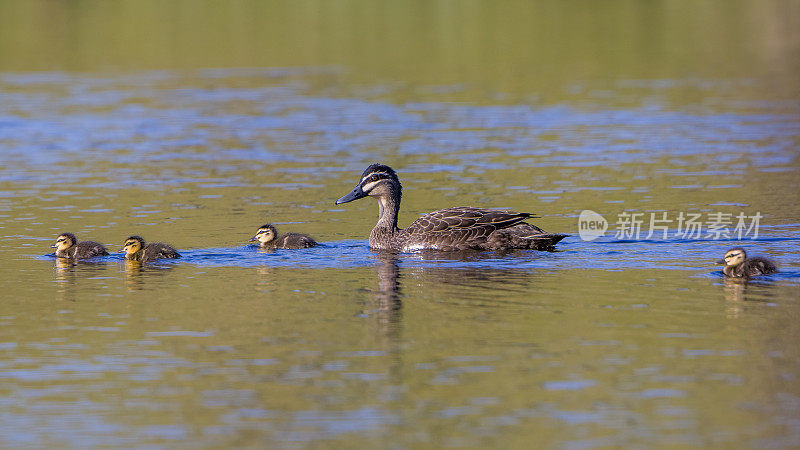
[64, 241]
[266, 233]
[733, 257]
[133, 245]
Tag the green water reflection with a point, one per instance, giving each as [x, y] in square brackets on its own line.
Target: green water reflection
[491, 49]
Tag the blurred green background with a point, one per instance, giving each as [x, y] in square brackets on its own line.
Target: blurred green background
[512, 47]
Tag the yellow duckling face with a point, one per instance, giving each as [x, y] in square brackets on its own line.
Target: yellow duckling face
[132, 245]
[733, 257]
[265, 234]
[63, 242]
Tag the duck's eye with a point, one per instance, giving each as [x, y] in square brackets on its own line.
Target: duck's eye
[373, 178]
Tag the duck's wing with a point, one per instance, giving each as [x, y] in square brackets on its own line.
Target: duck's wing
[523, 235]
[461, 227]
[466, 217]
[159, 250]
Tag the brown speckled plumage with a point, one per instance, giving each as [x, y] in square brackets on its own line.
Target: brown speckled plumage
[738, 265]
[71, 248]
[138, 250]
[268, 237]
[449, 229]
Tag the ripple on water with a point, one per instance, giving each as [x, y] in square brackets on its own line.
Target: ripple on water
[644, 324]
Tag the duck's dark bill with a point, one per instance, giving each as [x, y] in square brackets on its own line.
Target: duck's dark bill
[721, 261]
[356, 194]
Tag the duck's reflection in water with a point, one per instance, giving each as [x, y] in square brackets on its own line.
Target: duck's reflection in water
[474, 277]
[65, 279]
[138, 274]
[385, 306]
[740, 290]
[454, 277]
[462, 277]
[267, 277]
[67, 275]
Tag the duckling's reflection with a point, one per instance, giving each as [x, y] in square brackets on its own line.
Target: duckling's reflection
[135, 273]
[66, 276]
[260, 249]
[65, 279]
[740, 290]
[267, 277]
[63, 265]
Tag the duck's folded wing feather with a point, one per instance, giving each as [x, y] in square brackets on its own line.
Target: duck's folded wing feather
[463, 223]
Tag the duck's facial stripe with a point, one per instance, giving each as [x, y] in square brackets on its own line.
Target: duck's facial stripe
[375, 176]
[372, 180]
[368, 186]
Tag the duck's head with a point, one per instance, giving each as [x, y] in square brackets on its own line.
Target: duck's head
[64, 241]
[377, 181]
[133, 245]
[733, 257]
[265, 233]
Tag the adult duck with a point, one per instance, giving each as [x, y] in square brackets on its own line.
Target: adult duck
[450, 229]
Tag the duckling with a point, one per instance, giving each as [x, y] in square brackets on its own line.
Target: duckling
[136, 250]
[738, 265]
[67, 246]
[449, 229]
[267, 236]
